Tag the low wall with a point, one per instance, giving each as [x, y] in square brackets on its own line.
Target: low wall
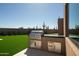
[61, 40]
[71, 48]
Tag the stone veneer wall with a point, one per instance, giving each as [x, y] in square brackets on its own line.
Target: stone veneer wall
[54, 39]
[33, 40]
[45, 40]
[71, 48]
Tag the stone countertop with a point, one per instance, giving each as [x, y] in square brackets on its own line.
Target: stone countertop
[52, 35]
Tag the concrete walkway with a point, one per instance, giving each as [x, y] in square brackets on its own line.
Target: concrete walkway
[35, 52]
[22, 53]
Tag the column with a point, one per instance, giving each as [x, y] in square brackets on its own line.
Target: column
[66, 19]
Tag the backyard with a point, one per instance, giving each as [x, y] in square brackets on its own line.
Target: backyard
[10, 45]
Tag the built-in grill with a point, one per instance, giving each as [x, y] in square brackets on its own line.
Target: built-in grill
[36, 34]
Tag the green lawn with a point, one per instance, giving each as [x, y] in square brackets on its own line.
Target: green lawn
[11, 45]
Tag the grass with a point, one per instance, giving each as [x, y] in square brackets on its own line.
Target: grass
[11, 45]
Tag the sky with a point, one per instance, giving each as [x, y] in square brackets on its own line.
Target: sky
[73, 15]
[30, 15]
[15, 15]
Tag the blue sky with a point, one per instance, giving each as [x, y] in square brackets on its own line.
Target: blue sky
[30, 15]
[73, 14]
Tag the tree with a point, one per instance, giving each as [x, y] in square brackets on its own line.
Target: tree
[21, 28]
[43, 25]
[47, 27]
[76, 26]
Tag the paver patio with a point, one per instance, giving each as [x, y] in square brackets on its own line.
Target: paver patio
[35, 52]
